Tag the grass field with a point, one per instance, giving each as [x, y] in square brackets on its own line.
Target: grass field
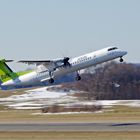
[117, 114]
[70, 136]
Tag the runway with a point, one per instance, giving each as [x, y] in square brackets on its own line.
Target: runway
[68, 127]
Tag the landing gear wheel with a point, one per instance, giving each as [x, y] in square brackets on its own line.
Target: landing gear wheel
[78, 78]
[121, 60]
[51, 81]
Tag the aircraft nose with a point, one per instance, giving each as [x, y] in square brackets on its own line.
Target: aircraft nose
[124, 53]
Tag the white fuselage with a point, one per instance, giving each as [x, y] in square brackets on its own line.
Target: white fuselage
[76, 63]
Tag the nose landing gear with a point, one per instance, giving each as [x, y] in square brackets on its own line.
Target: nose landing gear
[121, 60]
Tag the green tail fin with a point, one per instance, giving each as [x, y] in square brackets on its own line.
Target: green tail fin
[5, 72]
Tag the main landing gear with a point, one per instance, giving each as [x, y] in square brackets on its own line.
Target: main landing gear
[78, 77]
[121, 60]
[51, 80]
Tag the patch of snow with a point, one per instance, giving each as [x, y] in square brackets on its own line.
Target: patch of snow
[26, 108]
[37, 98]
[33, 95]
[42, 97]
[131, 103]
[62, 113]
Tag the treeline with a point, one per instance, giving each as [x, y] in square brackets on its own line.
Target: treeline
[113, 81]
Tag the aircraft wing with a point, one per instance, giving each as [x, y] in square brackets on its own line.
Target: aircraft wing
[50, 64]
[39, 62]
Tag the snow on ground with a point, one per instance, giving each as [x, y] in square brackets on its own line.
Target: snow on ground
[131, 103]
[63, 113]
[37, 99]
[110, 103]
[35, 94]
[42, 97]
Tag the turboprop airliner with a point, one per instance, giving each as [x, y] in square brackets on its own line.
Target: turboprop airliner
[49, 70]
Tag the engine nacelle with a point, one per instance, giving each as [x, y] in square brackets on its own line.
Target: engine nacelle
[66, 61]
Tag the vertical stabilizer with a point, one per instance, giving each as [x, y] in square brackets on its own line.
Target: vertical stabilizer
[5, 71]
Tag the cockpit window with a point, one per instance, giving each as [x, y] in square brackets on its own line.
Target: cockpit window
[114, 48]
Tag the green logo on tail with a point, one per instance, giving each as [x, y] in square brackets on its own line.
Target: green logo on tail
[5, 72]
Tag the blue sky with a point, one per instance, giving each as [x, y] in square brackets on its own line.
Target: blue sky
[47, 29]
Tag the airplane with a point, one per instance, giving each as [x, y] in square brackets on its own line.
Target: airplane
[49, 70]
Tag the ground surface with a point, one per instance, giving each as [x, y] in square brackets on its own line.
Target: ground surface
[70, 136]
[117, 121]
[69, 127]
[114, 114]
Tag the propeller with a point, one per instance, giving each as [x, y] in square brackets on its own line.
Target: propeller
[66, 61]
